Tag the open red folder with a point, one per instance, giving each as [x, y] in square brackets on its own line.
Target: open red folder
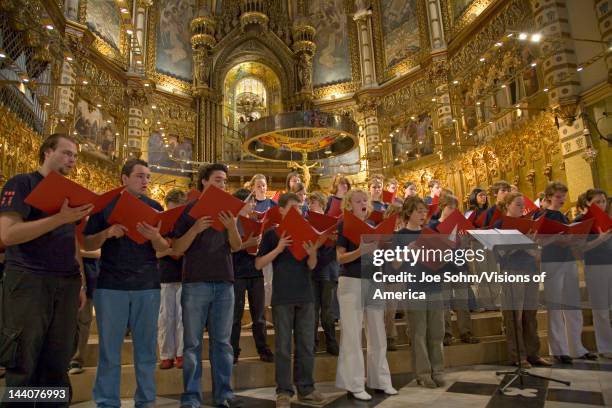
[335, 208]
[554, 227]
[388, 197]
[276, 196]
[601, 221]
[194, 194]
[497, 215]
[530, 207]
[50, 193]
[130, 210]
[212, 202]
[324, 224]
[250, 228]
[455, 222]
[376, 217]
[431, 210]
[272, 217]
[300, 231]
[354, 228]
[524, 225]
[431, 239]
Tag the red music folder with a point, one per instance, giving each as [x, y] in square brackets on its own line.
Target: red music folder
[272, 217]
[554, 227]
[250, 228]
[530, 207]
[335, 208]
[276, 196]
[480, 222]
[524, 225]
[455, 221]
[376, 217]
[212, 202]
[601, 221]
[130, 210]
[300, 232]
[435, 199]
[324, 224]
[354, 228]
[431, 239]
[50, 193]
[388, 197]
[431, 210]
[194, 194]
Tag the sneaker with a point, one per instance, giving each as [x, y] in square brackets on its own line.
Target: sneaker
[391, 344]
[283, 401]
[233, 402]
[75, 368]
[315, 398]
[437, 378]
[448, 340]
[178, 362]
[389, 391]
[426, 382]
[469, 339]
[361, 396]
[266, 356]
[166, 364]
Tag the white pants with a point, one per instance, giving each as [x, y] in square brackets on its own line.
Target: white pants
[562, 293]
[599, 284]
[170, 332]
[350, 374]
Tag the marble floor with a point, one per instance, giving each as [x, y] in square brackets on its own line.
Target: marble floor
[467, 387]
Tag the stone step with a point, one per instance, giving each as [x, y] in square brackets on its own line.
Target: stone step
[252, 373]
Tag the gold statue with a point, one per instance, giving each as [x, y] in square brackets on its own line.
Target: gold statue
[305, 167]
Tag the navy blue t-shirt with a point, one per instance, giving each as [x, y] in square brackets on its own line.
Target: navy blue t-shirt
[264, 205]
[379, 206]
[124, 264]
[209, 258]
[517, 260]
[244, 263]
[51, 253]
[292, 279]
[353, 269]
[553, 252]
[489, 215]
[428, 200]
[327, 265]
[601, 254]
[170, 269]
[405, 237]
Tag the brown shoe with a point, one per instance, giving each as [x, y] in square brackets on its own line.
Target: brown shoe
[540, 362]
[314, 398]
[283, 401]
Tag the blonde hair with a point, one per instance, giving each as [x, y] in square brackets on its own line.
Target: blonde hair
[348, 197]
[251, 184]
[374, 178]
[503, 206]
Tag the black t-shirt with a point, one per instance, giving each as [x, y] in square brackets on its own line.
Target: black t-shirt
[489, 215]
[51, 253]
[353, 269]
[327, 265]
[601, 254]
[291, 282]
[405, 237]
[516, 260]
[170, 269]
[124, 264]
[209, 258]
[553, 252]
[379, 206]
[244, 263]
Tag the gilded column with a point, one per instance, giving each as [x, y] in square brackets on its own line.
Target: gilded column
[436, 30]
[363, 19]
[65, 99]
[561, 77]
[604, 17]
[304, 48]
[368, 123]
[135, 124]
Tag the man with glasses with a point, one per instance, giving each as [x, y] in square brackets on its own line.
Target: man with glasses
[42, 288]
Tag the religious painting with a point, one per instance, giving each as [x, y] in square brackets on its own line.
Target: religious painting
[103, 19]
[332, 60]
[415, 139]
[400, 29]
[173, 54]
[173, 152]
[459, 6]
[96, 131]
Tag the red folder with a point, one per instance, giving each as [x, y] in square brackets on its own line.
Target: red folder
[50, 193]
[354, 228]
[457, 221]
[601, 221]
[194, 194]
[553, 227]
[431, 239]
[435, 199]
[335, 209]
[480, 222]
[129, 211]
[324, 224]
[250, 228]
[431, 210]
[388, 197]
[276, 196]
[472, 218]
[530, 207]
[212, 202]
[258, 215]
[524, 225]
[300, 232]
[376, 217]
[272, 217]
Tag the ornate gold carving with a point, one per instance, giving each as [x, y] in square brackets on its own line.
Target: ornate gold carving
[468, 16]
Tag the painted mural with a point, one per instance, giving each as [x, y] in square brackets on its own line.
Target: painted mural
[96, 131]
[173, 56]
[459, 6]
[159, 154]
[332, 60]
[415, 139]
[400, 29]
[103, 19]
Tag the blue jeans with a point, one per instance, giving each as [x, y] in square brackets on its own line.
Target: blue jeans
[207, 304]
[116, 310]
